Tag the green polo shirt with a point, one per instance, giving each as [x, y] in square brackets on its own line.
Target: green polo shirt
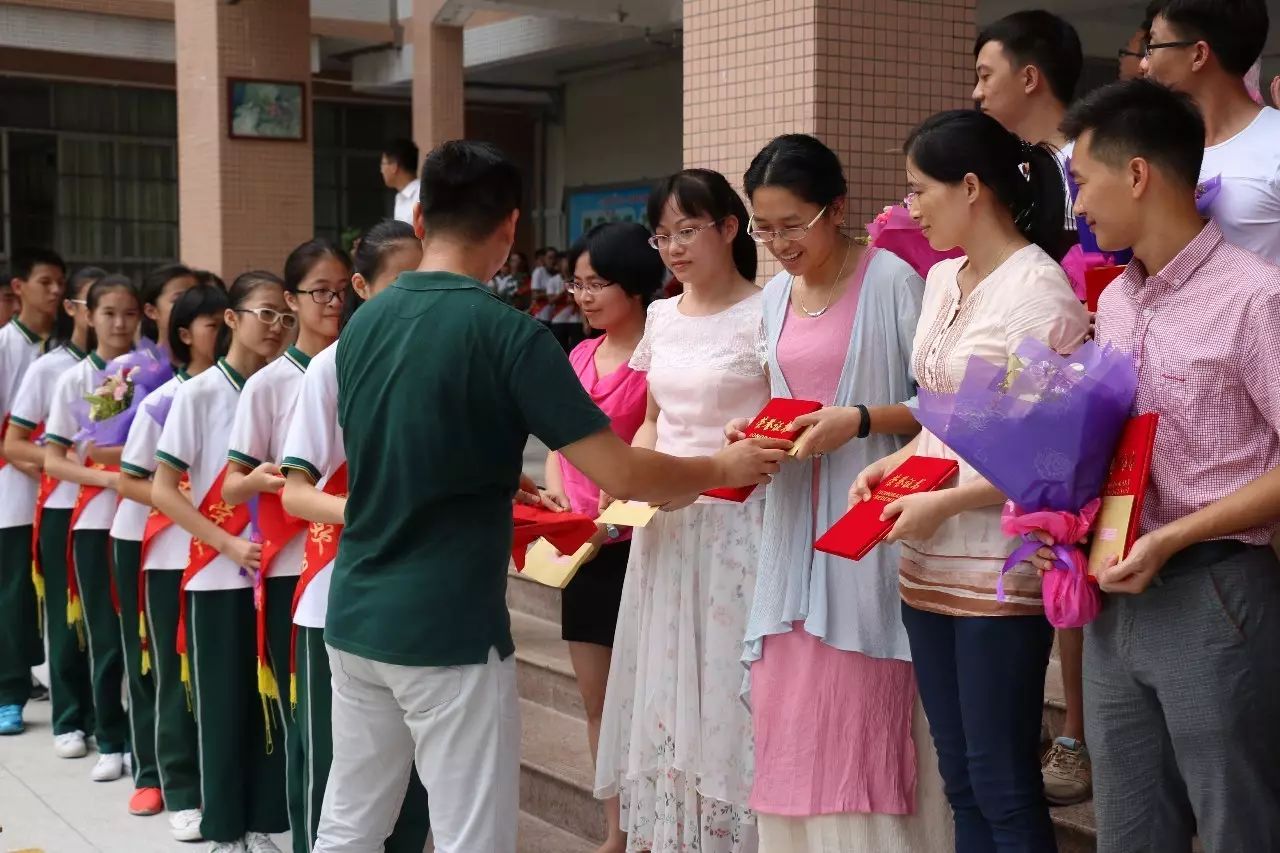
[440, 385]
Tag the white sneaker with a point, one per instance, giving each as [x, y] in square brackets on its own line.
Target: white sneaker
[257, 842]
[185, 825]
[109, 768]
[70, 745]
[227, 847]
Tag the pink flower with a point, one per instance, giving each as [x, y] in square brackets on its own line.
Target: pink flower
[119, 392]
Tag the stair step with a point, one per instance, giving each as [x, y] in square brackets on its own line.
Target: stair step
[529, 596]
[538, 836]
[544, 673]
[556, 775]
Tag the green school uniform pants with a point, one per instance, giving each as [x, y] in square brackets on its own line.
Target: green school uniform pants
[70, 684]
[177, 744]
[20, 646]
[279, 592]
[242, 783]
[142, 688]
[315, 718]
[102, 634]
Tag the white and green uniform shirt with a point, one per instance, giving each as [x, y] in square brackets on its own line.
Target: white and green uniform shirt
[194, 441]
[62, 425]
[314, 446]
[257, 435]
[172, 547]
[19, 348]
[32, 402]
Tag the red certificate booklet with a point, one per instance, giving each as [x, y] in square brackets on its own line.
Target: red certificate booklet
[1116, 527]
[860, 529]
[772, 422]
[567, 531]
[1096, 281]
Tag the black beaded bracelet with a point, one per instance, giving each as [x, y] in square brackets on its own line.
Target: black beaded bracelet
[864, 423]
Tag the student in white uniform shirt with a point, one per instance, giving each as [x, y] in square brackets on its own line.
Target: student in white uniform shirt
[315, 470]
[193, 327]
[39, 280]
[242, 782]
[400, 173]
[1204, 48]
[70, 694]
[316, 277]
[115, 311]
[160, 289]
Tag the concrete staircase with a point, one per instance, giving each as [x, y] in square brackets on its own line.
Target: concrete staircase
[558, 809]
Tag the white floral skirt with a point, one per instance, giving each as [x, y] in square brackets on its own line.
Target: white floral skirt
[675, 742]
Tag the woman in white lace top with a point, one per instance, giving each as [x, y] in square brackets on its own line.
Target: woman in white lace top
[675, 741]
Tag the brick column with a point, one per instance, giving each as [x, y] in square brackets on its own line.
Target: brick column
[244, 203]
[437, 78]
[857, 75]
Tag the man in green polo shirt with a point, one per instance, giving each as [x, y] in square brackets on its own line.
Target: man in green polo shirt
[440, 385]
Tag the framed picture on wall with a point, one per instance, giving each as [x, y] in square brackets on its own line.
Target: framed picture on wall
[266, 109]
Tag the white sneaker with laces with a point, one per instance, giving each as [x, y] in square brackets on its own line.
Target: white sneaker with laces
[70, 745]
[227, 847]
[257, 842]
[185, 825]
[109, 768]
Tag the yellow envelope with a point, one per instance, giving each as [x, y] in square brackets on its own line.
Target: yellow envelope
[628, 514]
[545, 566]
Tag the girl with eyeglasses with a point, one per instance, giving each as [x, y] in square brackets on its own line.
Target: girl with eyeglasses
[314, 464]
[614, 277]
[675, 739]
[115, 311]
[316, 277]
[843, 757]
[242, 781]
[70, 691]
[193, 324]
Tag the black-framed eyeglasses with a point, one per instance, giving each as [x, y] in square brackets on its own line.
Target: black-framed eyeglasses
[270, 316]
[684, 236]
[1147, 48]
[322, 295]
[593, 287]
[1124, 52]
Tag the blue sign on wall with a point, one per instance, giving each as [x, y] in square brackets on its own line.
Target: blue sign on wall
[589, 208]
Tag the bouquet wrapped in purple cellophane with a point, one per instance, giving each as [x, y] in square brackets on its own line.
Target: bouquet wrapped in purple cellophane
[894, 230]
[106, 415]
[1042, 430]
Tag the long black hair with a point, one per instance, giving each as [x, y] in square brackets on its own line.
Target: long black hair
[799, 163]
[303, 259]
[376, 245]
[703, 192]
[64, 325]
[1027, 179]
[620, 253]
[239, 292]
[153, 284]
[203, 300]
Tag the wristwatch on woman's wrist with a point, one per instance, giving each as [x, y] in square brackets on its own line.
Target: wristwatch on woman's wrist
[612, 531]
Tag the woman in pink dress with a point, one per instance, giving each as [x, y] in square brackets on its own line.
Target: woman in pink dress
[843, 756]
[614, 277]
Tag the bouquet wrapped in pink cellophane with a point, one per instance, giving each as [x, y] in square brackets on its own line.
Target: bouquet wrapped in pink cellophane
[894, 230]
[1042, 430]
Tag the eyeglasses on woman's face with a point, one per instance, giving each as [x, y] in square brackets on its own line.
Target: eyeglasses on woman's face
[592, 285]
[271, 317]
[791, 233]
[323, 295]
[684, 236]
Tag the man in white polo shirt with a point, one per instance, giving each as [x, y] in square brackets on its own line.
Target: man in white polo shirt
[400, 173]
[1204, 48]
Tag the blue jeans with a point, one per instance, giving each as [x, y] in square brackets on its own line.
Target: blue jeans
[981, 681]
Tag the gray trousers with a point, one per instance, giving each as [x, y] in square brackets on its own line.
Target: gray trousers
[1182, 707]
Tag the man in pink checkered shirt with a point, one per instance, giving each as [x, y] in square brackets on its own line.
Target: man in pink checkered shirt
[1182, 668]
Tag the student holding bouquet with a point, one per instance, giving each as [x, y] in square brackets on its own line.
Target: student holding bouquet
[980, 662]
[69, 687]
[242, 783]
[1182, 682]
[840, 741]
[115, 311]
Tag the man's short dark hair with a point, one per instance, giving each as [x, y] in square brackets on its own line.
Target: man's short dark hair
[1039, 38]
[403, 153]
[26, 260]
[1141, 118]
[468, 189]
[1236, 30]
[1149, 15]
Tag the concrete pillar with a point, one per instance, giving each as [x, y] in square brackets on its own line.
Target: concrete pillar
[245, 203]
[437, 78]
[858, 75]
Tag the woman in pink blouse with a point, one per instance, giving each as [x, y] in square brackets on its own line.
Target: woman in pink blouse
[980, 660]
[615, 275]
